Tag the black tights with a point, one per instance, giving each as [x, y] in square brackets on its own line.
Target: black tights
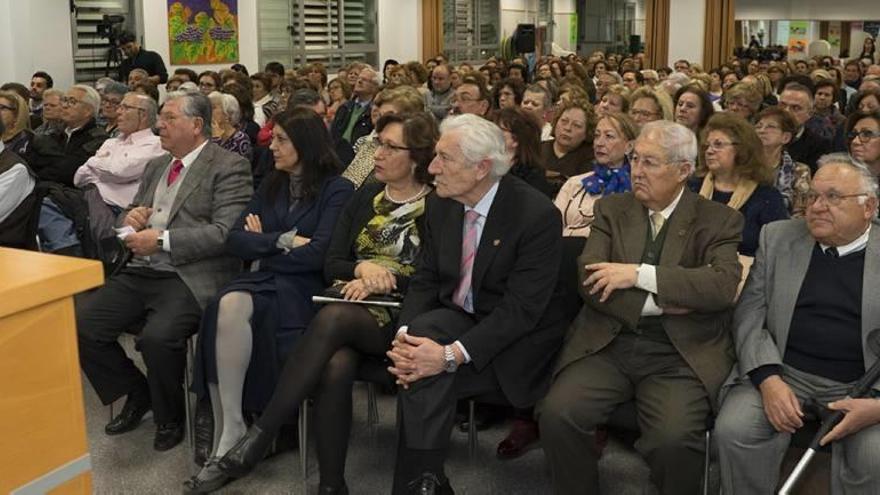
[324, 363]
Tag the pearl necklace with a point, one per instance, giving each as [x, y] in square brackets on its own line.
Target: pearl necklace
[407, 200]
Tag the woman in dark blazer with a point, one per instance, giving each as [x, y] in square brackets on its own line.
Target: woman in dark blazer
[285, 233]
[373, 251]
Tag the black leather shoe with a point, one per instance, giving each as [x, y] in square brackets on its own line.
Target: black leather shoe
[136, 406]
[168, 435]
[203, 432]
[429, 484]
[246, 453]
[209, 479]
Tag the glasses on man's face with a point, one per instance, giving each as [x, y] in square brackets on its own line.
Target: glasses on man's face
[646, 162]
[864, 135]
[123, 107]
[831, 198]
[388, 147]
[6, 107]
[718, 145]
[109, 103]
[69, 101]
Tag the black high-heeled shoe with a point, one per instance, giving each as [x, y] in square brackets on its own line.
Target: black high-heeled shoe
[246, 453]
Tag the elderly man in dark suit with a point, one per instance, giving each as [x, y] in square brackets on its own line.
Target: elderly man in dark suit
[659, 274]
[801, 327]
[479, 315]
[178, 222]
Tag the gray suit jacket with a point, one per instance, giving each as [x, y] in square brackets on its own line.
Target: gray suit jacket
[214, 191]
[699, 270]
[762, 317]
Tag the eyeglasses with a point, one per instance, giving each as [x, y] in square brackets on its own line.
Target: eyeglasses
[718, 145]
[7, 107]
[69, 101]
[642, 114]
[831, 198]
[109, 102]
[388, 146]
[648, 162]
[125, 108]
[864, 135]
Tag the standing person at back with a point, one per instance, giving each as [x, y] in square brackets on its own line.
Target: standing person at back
[139, 58]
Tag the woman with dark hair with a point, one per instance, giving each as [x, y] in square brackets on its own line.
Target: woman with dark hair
[693, 108]
[373, 251]
[208, 82]
[733, 171]
[264, 103]
[522, 135]
[863, 138]
[508, 93]
[247, 331]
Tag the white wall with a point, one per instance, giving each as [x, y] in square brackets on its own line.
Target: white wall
[824, 10]
[155, 17]
[687, 20]
[400, 30]
[35, 35]
[563, 12]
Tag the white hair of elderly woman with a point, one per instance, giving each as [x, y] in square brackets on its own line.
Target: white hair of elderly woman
[228, 104]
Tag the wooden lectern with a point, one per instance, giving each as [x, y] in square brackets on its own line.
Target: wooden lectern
[43, 447]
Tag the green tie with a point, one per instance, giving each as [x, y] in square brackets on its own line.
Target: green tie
[352, 120]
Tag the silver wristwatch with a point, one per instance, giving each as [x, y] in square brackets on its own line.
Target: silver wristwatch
[449, 365]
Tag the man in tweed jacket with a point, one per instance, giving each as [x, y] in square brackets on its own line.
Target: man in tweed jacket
[180, 217]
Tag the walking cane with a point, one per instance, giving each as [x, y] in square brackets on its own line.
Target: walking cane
[859, 390]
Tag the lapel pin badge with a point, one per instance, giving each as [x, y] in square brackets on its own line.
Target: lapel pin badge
[496, 242]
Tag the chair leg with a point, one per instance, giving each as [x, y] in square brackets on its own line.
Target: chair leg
[472, 430]
[189, 410]
[707, 459]
[372, 407]
[303, 430]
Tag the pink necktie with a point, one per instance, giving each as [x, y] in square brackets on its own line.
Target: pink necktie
[468, 252]
[174, 173]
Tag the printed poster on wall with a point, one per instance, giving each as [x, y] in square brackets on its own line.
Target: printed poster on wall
[203, 31]
[797, 38]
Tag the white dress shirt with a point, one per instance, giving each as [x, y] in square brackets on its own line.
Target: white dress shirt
[647, 274]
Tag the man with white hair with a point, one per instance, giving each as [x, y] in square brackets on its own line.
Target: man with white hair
[480, 314]
[352, 119]
[56, 157]
[659, 276]
[800, 327]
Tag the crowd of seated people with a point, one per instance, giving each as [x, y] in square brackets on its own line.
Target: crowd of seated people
[455, 189]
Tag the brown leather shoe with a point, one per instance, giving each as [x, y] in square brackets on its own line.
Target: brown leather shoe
[523, 437]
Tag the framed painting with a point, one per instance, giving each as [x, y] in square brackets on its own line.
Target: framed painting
[203, 32]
